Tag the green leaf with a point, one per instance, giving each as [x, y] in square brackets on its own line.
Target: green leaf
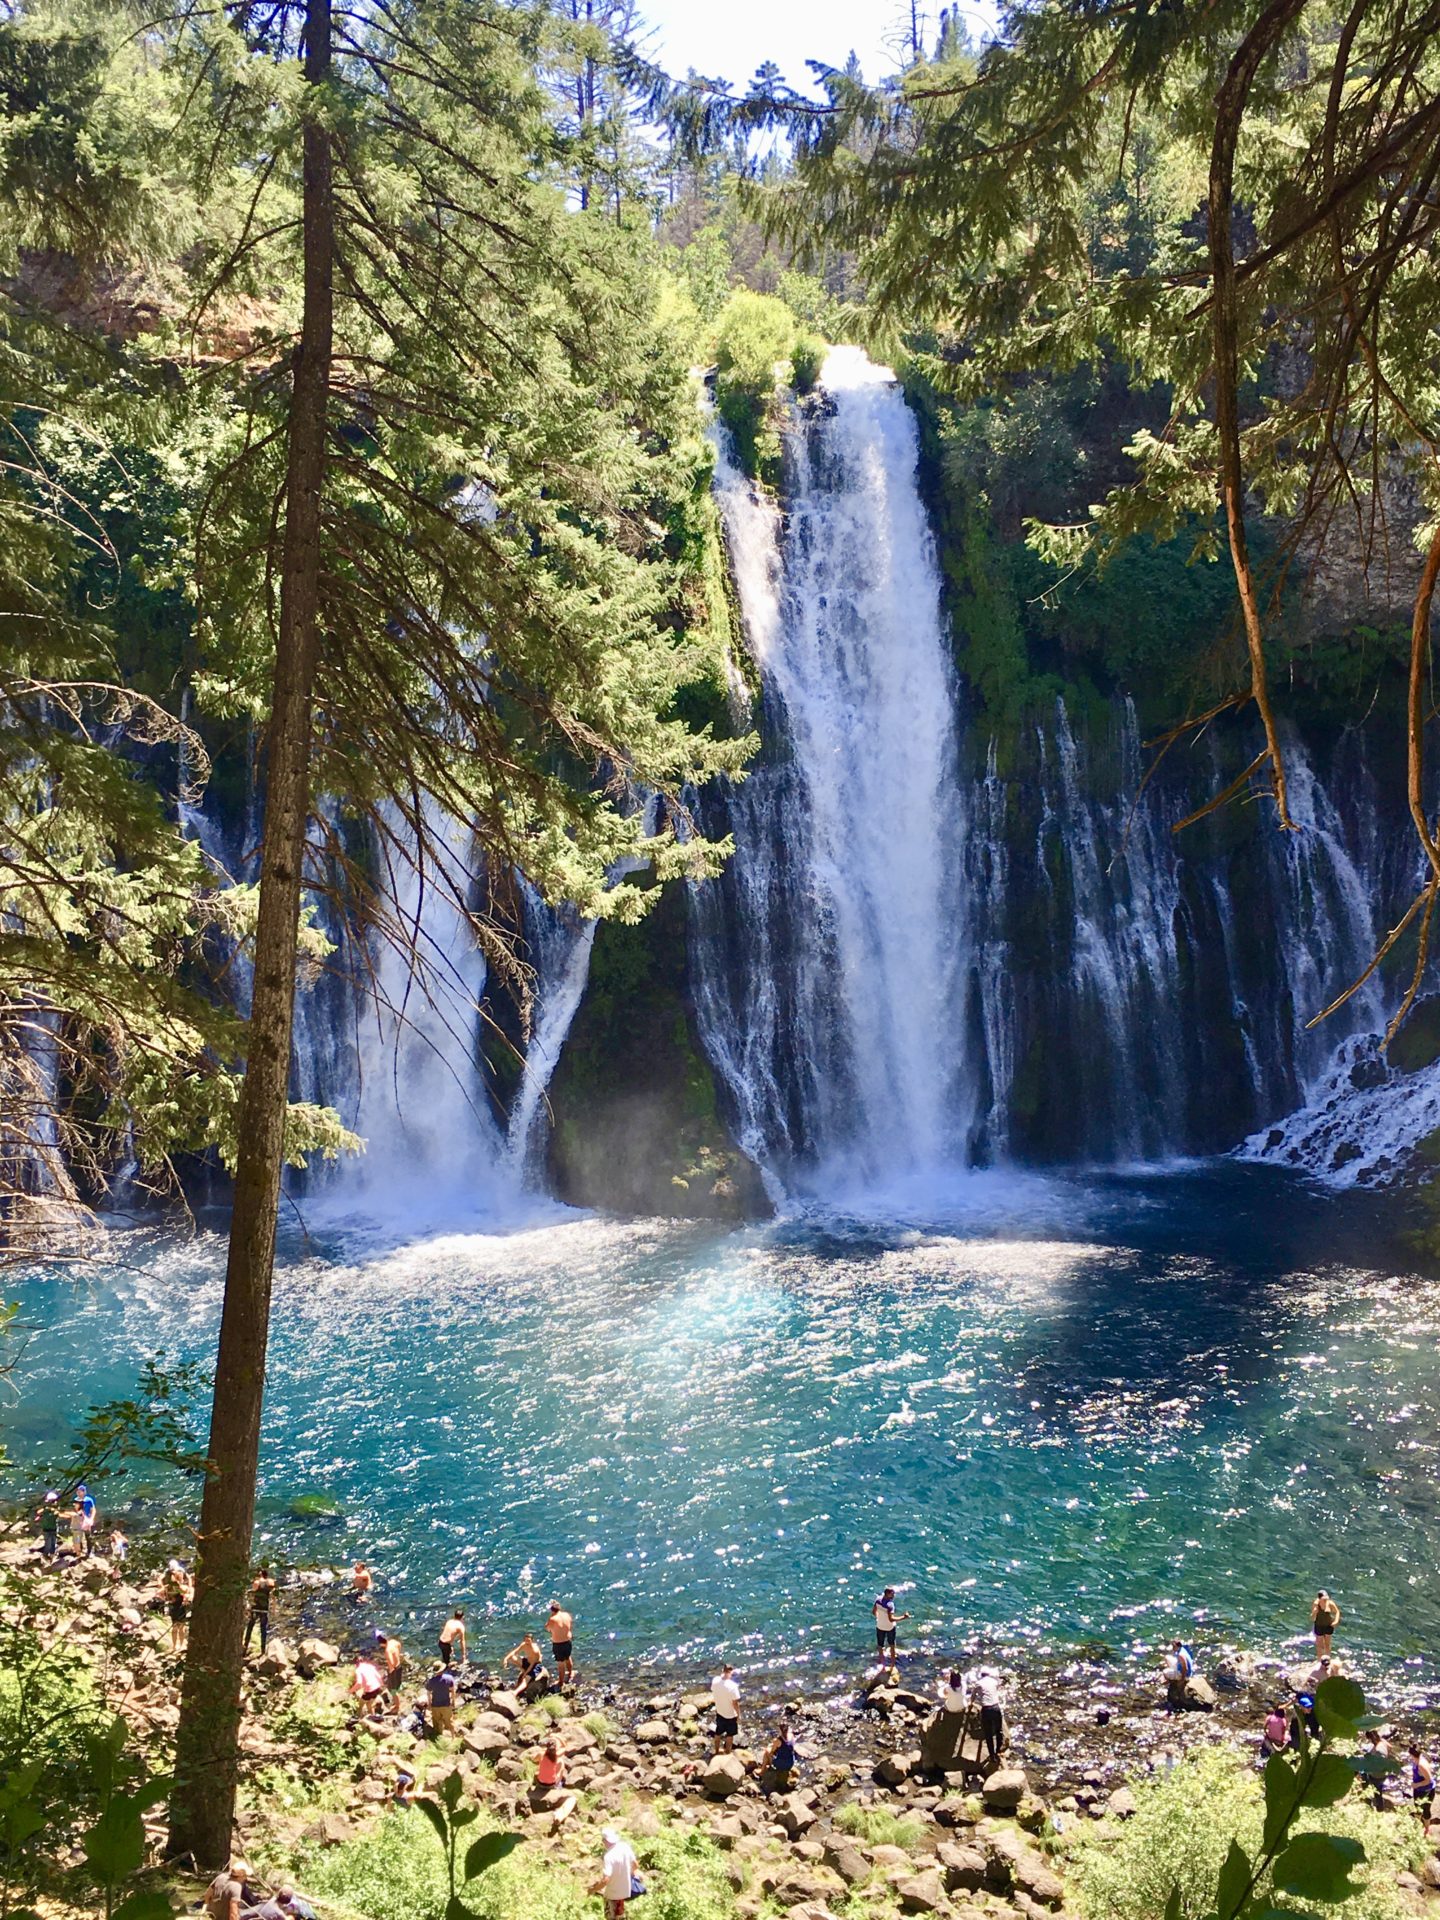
[1373, 1765]
[1282, 1797]
[452, 1788]
[1173, 1910]
[1317, 1866]
[1330, 1781]
[1339, 1703]
[456, 1909]
[488, 1851]
[151, 1905]
[1234, 1879]
[115, 1845]
[436, 1816]
[464, 1817]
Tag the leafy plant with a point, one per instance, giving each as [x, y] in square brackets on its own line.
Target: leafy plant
[449, 1816]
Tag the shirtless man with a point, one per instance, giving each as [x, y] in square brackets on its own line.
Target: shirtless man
[1324, 1618]
[362, 1582]
[452, 1638]
[561, 1629]
[531, 1677]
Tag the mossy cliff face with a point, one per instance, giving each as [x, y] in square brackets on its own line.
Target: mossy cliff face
[635, 1123]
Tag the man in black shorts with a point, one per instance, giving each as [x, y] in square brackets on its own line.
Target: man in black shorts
[885, 1618]
[725, 1692]
[561, 1629]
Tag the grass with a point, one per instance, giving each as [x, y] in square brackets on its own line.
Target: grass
[396, 1872]
[601, 1725]
[879, 1827]
[1182, 1829]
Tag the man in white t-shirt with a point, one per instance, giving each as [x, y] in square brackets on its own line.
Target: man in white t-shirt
[885, 1618]
[725, 1692]
[617, 1874]
[985, 1688]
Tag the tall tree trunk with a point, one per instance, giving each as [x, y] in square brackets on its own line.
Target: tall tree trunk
[202, 1805]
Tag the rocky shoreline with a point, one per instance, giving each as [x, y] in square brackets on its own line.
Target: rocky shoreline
[963, 1842]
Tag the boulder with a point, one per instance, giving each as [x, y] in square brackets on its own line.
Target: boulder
[794, 1815]
[485, 1743]
[1199, 1694]
[1004, 1790]
[963, 1867]
[311, 1655]
[912, 1702]
[727, 1831]
[1033, 1875]
[493, 1722]
[330, 1830]
[275, 1663]
[652, 1733]
[506, 1703]
[922, 1894]
[846, 1860]
[1121, 1804]
[724, 1774]
[893, 1769]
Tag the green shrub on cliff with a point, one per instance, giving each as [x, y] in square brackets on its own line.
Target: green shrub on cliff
[1181, 1832]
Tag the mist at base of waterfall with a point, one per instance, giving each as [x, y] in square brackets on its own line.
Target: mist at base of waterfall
[1089, 1408]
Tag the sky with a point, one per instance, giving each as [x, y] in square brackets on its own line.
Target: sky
[728, 39]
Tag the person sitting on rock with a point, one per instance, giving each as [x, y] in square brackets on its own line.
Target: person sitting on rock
[226, 1894]
[547, 1790]
[1276, 1735]
[777, 1763]
[1178, 1670]
[283, 1904]
[532, 1679]
[953, 1696]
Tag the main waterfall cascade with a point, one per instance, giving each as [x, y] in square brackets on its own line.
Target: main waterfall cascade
[831, 961]
[907, 968]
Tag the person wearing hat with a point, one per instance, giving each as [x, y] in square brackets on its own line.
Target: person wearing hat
[440, 1697]
[225, 1896]
[48, 1515]
[618, 1874]
[985, 1688]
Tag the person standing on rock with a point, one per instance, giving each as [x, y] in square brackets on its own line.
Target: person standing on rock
[261, 1588]
[1324, 1618]
[48, 1515]
[452, 1636]
[89, 1518]
[175, 1591]
[368, 1687]
[389, 1647]
[885, 1621]
[440, 1694]
[561, 1629]
[618, 1874]
[986, 1687]
[725, 1692]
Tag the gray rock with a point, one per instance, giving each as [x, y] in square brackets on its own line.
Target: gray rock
[1199, 1694]
[724, 1774]
[964, 1867]
[493, 1722]
[313, 1654]
[1004, 1789]
[1121, 1804]
[793, 1814]
[485, 1743]
[506, 1703]
[652, 1733]
[894, 1768]
[922, 1894]
[846, 1860]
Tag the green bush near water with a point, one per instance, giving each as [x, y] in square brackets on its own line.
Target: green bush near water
[397, 1872]
[1182, 1829]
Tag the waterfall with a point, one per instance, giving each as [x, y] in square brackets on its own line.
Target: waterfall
[832, 958]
